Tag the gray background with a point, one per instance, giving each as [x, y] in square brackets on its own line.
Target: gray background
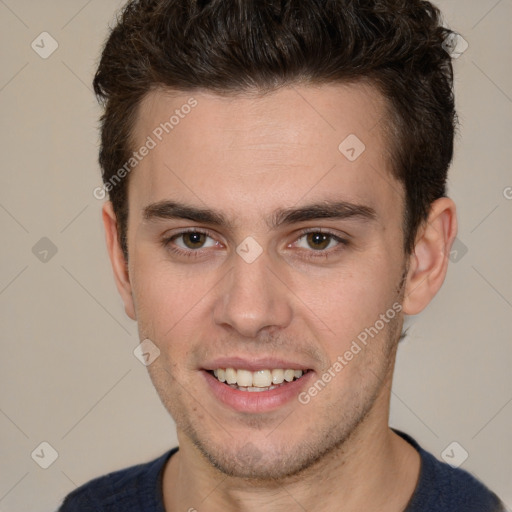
[68, 373]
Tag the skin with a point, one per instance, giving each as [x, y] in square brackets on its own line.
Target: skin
[246, 157]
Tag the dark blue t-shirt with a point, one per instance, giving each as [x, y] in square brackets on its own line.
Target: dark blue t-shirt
[440, 488]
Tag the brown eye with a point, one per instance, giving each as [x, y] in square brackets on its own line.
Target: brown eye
[190, 241]
[318, 241]
[194, 240]
[320, 244]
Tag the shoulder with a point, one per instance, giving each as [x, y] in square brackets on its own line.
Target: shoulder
[123, 490]
[442, 487]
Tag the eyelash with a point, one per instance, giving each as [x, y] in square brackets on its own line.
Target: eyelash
[191, 253]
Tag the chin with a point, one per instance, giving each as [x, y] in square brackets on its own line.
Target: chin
[251, 463]
[270, 462]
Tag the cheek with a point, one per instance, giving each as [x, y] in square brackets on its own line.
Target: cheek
[346, 302]
[168, 301]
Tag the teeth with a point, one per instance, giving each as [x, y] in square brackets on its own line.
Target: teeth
[244, 378]
[231, 376]
[256, 381]
[289, 375]
[261, 378]
[277, 376]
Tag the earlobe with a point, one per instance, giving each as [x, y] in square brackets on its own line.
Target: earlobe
[117, 259]
[429, 260]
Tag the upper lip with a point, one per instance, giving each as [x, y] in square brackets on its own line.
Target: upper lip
[254, 364]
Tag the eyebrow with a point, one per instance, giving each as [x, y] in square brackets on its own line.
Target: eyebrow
[336, 210]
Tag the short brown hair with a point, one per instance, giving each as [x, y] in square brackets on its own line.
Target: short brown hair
[232, 46]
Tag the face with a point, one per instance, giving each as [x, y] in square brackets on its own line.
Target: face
[257, 245]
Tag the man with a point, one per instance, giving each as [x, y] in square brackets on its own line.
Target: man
[276, 173]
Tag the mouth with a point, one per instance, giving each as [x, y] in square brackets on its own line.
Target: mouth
[256, 385]
[257, 381]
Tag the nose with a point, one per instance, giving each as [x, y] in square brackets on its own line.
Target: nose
[252, 299]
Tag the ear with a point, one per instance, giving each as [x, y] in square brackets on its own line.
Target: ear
[429, 261]
[117, 259]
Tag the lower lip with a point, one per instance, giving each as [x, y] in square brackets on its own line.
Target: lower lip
[257, 401]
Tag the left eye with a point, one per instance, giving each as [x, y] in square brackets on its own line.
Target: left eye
[318, 241]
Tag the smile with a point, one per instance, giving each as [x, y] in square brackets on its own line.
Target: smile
[261, 380]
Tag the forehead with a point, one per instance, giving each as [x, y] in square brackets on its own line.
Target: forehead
[299, 114]
[234, 152]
